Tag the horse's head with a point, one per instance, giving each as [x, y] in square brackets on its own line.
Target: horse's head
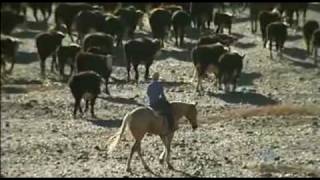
[191, 115]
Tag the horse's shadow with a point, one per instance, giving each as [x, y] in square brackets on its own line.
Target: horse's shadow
[183, 172]
[112, 123]
[121, 100]
[245, 98]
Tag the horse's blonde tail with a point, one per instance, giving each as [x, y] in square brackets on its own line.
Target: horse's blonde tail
[118, 135]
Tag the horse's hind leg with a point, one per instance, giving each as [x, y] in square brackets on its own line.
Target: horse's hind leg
[140, 155]
[133, 149]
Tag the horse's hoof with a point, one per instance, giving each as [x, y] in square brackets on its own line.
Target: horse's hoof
[128, 170]
[170, 167]
[147, 168]
[161, 161]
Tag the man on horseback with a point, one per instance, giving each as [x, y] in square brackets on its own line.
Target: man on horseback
[158, 101]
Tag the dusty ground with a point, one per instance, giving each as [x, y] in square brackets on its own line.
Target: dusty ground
[39, 137]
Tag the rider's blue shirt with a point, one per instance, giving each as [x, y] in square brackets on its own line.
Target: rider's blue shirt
[155, 92]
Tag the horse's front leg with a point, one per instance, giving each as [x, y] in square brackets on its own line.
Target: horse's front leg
[161, 157]
[169, 140]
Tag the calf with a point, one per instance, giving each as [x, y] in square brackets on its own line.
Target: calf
[85, 85]
[101, 40]
[276, 31]
[160, 23]
[100, 64]
[206, 59]
[47, 44]
[9, 21]
[308, 29]
[180, 20]
[45, 9]
[66, 12]
[9, 47]
[316, 44]
[140, 50]
[265, 18]
[223, 20]
[230, 67]
[66, 56]
[224, 39]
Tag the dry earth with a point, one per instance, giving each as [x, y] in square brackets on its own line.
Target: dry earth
[239, 135]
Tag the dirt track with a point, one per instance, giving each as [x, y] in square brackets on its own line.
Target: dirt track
[39, 137]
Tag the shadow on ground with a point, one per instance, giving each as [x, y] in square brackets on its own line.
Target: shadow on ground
[112, 123]
[243, 45]
[121, 100]
[26, 34]
[245, 98]
[13, 90]
[298, 57]
[26, 57]
[247, 79]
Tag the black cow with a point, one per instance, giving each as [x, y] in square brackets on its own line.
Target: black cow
[101, 40]
[223, 20]
[130, 17]
[66, 12]
[229, 70]
[9, 21]
[9, 47]
[265, 18]
[201, 13]
[47, 44]
[316, 44]
[114, 27]
[224, 39]
[140, 50]
[180, 21]
[85, 85]
[160, 23]
[277, 32]
[206, 59]
[66, 56]
[255, 9]
[308, 29]
[100, 64]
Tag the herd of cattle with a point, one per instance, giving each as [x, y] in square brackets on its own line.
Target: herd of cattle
[101, 27]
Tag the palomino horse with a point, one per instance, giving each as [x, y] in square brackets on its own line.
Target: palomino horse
[144, 120]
